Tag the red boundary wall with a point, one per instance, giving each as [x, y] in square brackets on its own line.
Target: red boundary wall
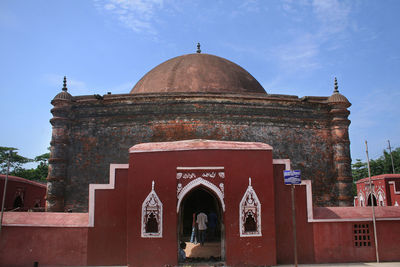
[109, 234]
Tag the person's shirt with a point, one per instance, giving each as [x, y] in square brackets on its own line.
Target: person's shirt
[201, 221]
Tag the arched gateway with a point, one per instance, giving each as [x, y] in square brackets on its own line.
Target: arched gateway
[198, 196]
[206, 176]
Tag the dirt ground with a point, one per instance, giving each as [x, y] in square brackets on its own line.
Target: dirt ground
[209, 249]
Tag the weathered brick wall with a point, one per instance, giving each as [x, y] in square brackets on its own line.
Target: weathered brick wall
[100, 132]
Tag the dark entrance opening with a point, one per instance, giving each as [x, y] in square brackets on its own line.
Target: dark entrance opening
[18, 202]
[201, 199]
[369, 203]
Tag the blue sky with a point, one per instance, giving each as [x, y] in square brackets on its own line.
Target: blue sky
[290, 47]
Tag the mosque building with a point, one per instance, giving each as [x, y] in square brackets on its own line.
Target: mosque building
[197, 96]
[197, 134]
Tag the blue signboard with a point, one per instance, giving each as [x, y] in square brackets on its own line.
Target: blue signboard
[292, 177]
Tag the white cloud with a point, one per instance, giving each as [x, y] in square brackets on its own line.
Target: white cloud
[374, 117]
[332, 15]
[372, 107]
[137, 15]
[299, 54]
[330, 21]
[250, 6]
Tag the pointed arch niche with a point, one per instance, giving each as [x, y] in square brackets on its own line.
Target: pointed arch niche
[250, 213]
[152, 217]
[197, 182]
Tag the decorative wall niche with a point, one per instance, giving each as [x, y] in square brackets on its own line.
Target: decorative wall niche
[381, 197]
[250, 214]
[152, 217]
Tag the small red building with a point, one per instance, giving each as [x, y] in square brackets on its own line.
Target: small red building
[140, 217]
[385, 191]
[22, 194]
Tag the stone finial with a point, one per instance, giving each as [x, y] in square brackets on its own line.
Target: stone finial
[198, 48]
[336, 86]
[63, 95]
[65, 84]
[152, 185]
[338, 98]
[249, 181]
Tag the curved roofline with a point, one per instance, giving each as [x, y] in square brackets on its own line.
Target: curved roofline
[22, 180]
[379, 177]
[198, 72]
[198, 144]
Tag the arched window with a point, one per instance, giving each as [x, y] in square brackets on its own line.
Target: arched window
[250, 213]
[18, 202]
[152, 215]
[373, 199]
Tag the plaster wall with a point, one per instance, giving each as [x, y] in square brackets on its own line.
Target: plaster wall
[107, 239]
[67, 239]
[239, 166]
[334, 242]
[284, 224]
[60, 246]
[388, 240]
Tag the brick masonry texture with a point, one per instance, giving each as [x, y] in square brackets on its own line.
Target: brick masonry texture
[90, 133]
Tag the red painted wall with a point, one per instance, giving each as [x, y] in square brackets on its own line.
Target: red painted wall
[107, 239]
[284, 229]
[388, 233]
[333, 242]
[22, 246]
[239, 166]
[250, 250]
[32, 192]
[393, 196]
[115, 238]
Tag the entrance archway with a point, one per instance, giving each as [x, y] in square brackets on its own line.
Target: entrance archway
[201, 199]
[369, 203]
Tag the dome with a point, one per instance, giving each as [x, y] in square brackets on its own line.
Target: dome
[198, 73]
[338, 98]
[64, 95]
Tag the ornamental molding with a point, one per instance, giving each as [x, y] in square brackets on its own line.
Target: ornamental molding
[152, 209]
[199, 182]
[193, 175]
[250, 209]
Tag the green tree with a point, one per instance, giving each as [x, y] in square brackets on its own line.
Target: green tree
[17, 161]
[359, 170]
[43, 167]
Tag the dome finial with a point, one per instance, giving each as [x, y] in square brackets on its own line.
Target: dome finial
[198, 48]
[336, 87]
[65, 84]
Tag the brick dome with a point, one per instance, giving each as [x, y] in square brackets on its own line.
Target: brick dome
[198, 73]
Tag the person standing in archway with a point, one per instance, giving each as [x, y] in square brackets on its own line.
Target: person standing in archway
[202, 226]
